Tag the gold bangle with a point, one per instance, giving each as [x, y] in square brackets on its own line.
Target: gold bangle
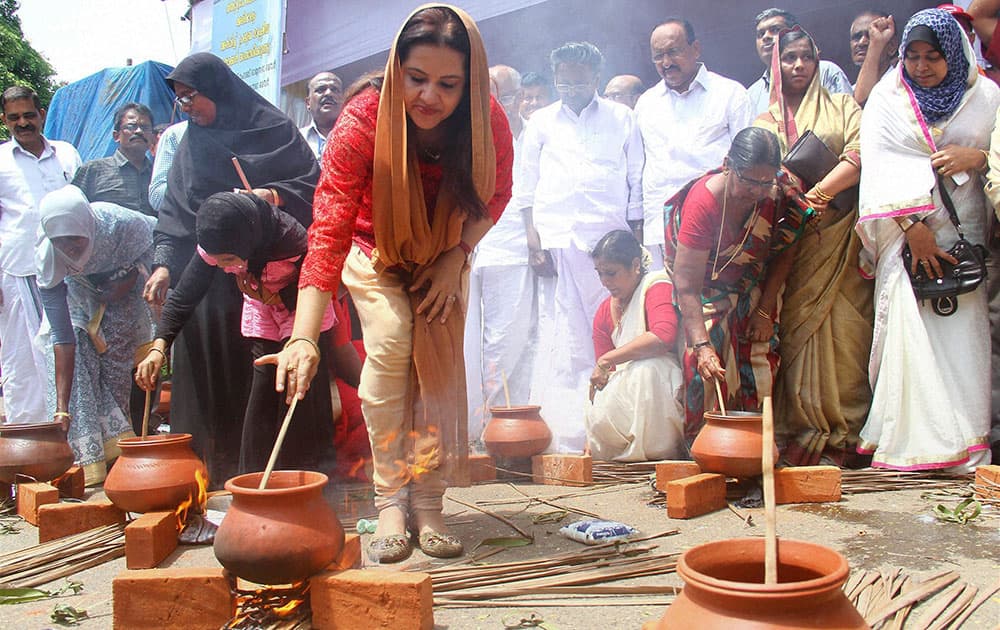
[986, 165]
[822, 195]
[62, 414]
[305, 339]
[764, 314]
[155, 349]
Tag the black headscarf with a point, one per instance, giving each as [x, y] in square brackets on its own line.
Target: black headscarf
[270, 149]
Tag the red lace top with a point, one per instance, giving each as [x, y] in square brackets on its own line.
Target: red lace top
[342, 207]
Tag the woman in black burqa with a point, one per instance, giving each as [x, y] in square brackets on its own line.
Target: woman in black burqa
[211, 359]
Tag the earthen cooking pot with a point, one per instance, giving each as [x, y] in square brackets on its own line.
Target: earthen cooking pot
[724, 588]
[516, 432]
[38, 450]
[731, 444]
[282, 534]
[154, 473]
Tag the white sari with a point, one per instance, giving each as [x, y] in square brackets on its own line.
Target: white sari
[930, 374]
[638, 416]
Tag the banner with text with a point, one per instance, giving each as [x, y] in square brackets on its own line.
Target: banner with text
[247, 35]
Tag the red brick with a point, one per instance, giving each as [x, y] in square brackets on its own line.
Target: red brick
[672, 470]
[697, 495]
[372, 598]
[66, 519]
[350, 555]
[482, 467]
[561, 469]
[149, 539]
[988, 482]
[807, 484]
[189, 598]
[31, 496]
[71, 483]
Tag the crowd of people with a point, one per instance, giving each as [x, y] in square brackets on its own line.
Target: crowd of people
[626, 258]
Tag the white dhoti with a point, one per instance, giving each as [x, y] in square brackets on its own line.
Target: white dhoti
[21, 361]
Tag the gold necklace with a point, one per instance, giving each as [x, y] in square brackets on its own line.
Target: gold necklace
[718, 244]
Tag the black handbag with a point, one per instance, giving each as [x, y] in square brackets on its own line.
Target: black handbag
[810, 160]
[956, 279]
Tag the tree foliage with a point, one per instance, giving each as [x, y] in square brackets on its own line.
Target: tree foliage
[20, 64]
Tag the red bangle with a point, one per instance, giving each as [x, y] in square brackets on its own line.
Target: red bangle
[465, 248]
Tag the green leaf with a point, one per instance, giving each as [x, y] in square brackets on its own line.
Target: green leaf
[550, 517]
[67, 615]
[964, 512]
[513, 541]
[22, 595]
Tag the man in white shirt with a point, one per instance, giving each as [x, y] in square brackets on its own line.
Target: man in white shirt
[580, 177]
[30, 167]
[769, 23]
[687, 120]
[500, 325]
[324, 99]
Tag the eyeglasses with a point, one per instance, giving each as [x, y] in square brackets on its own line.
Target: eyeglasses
[133, 127]
[754, 182]
[575, 88]
[185, 101]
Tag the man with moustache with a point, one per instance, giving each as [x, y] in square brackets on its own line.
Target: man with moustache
[624, 89]
[579, 177]
[769, 24]
[874, 49]
[30, 167]
[687, 120]
[326, 95]
[123, 178]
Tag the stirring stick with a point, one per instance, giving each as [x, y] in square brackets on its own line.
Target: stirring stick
[145, 414]
[243, 176]
[277, 444]
[506, 392]
[770, 517]
[718, 392]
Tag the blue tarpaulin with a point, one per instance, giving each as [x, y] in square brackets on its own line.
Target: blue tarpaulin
[82, 113]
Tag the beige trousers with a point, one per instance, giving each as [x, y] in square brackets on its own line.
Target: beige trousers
[405, 464]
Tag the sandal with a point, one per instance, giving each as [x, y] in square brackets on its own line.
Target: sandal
[389, 549]
[438, 545]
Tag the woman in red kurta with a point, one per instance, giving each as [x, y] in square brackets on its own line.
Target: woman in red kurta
[414, 175]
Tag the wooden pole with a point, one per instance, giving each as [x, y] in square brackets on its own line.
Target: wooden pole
[243, 176]
[718, 392]
[145, 414]
[770, 515]
[506, 392]
[277, 443]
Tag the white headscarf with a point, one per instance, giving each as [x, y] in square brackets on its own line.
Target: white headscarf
[64, 212]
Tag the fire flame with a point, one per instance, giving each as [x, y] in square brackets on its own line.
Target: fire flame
[260, 608]
[198, 500]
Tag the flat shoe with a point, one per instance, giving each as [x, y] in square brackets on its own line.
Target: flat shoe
[389, 549]
[440, 545]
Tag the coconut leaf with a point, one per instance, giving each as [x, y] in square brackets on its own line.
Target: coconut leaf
[511, 541]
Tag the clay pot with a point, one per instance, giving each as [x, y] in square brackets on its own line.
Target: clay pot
[155, 473]
[39, 451]
[731, 444]
[516, 432]
[282, 534]
[724, 588]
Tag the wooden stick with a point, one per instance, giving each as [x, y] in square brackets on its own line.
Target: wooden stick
[506, 391]
[277, 443]
[770, 516]
[494, 515]
[243, 176]
[718, 392]
[145, 414]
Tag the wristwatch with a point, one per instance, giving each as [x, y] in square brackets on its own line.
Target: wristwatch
[905, 223]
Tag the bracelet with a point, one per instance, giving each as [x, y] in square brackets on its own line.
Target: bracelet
[825, 198]
[306, 339]
[764, 314]
[701, 344]
[986, 166]
[155, 349]
[61, 414]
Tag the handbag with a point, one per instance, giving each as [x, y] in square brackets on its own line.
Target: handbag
[959, 278]
[810, 160]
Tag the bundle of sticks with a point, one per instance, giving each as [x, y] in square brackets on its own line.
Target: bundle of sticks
[874, 480]
[63, 557]
[886, 600]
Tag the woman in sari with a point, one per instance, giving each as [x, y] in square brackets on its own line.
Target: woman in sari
[261, 247]
[91, 258]
[822, 395]
[212, 362]
[927, 125]
[724, 231]
[635, 390]
[414, 174]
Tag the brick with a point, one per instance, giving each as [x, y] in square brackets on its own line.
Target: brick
[697, 495]
[31, 496]
[807, 484]
[372, 598]
[988, 482]
[672, 470]
[149, 539]
[71, 483]
[189, 598]
[65, 519]
[482, 467]
[561, 469]
[350, 555]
